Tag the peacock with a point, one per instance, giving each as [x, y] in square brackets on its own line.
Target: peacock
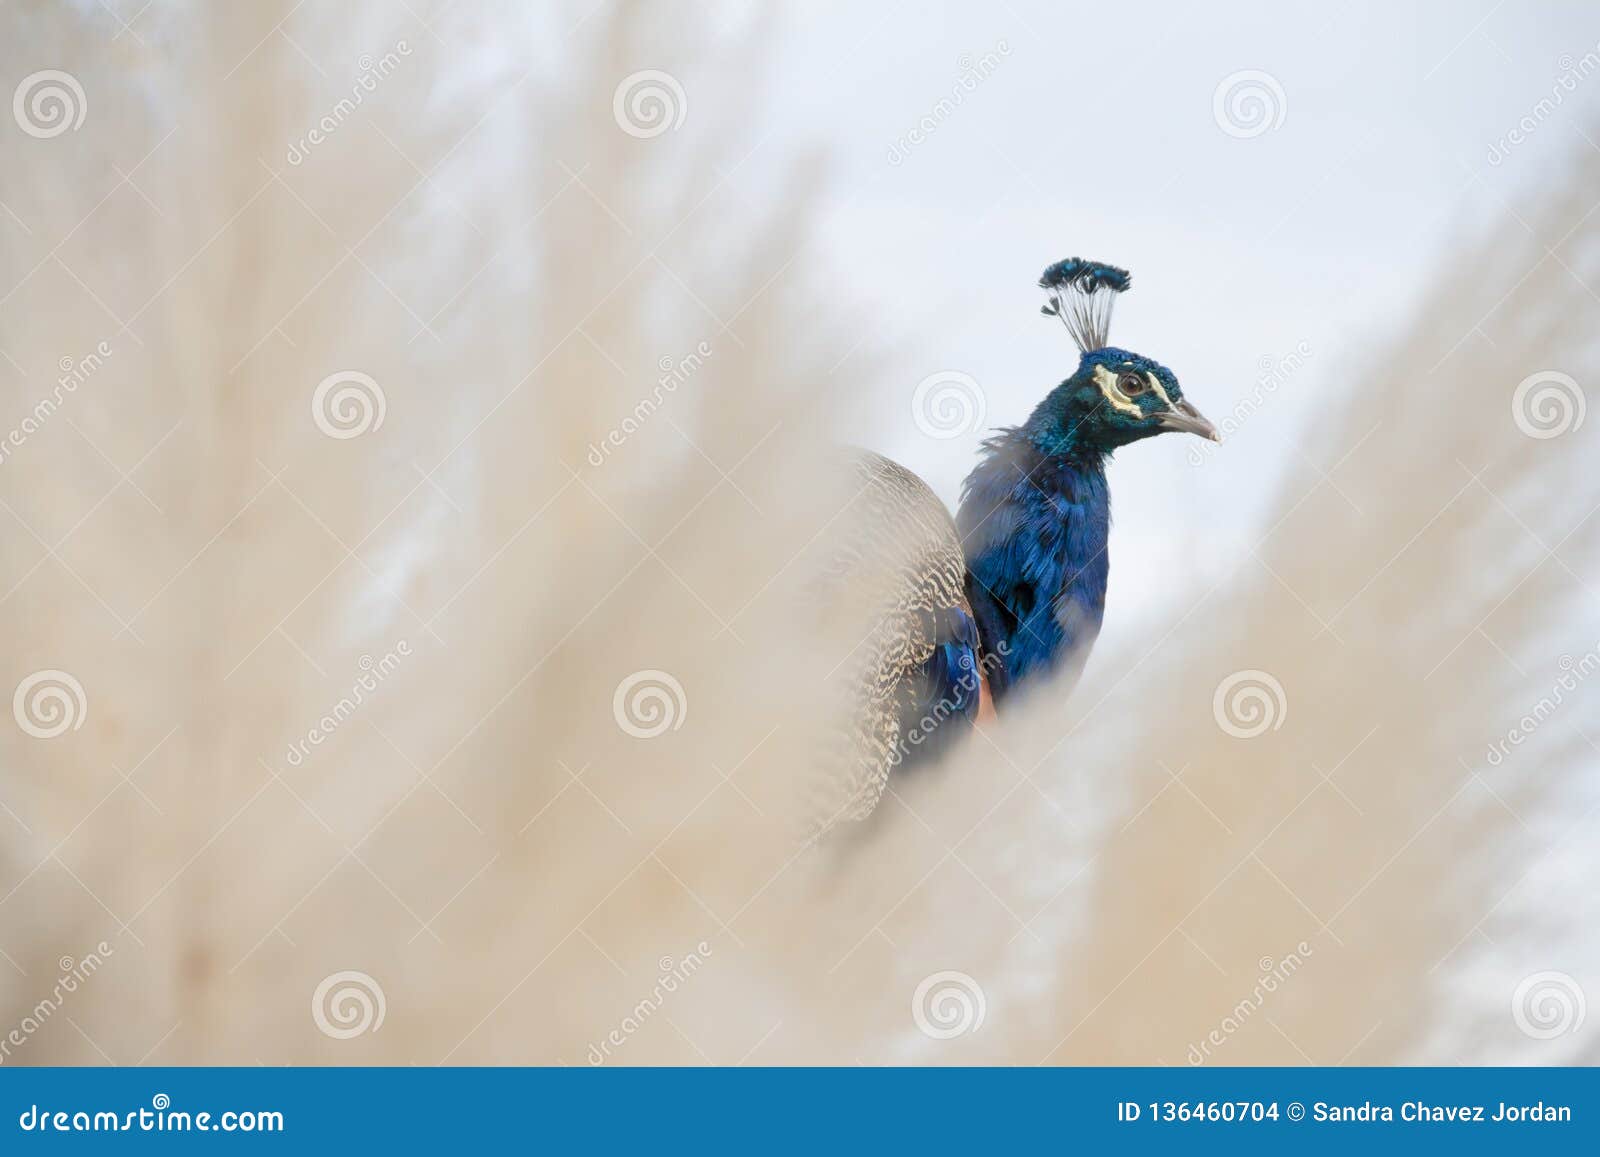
[1011, 592]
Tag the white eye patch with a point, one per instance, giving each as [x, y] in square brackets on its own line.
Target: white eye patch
[1107, 381]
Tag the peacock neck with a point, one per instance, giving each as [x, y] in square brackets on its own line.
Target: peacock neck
[1036, 519]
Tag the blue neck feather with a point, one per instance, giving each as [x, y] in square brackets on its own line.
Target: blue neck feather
[1035, 519]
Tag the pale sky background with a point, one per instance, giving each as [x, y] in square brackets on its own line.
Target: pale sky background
[1096, 136]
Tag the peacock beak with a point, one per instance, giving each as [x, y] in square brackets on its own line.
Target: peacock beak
[1184, 416]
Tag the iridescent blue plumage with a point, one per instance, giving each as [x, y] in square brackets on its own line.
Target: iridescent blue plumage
[1088, 275]
[947, 696]
[1035, 526]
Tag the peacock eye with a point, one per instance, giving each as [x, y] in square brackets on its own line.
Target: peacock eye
[1132, 384]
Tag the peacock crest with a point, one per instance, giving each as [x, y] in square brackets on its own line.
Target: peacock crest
[1081, 295]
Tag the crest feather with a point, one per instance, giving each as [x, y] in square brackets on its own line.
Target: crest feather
[1081, 295]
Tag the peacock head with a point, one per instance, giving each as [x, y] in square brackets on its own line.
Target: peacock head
[1115, 397]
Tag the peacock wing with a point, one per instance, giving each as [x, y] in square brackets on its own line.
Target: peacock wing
[914, 684]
